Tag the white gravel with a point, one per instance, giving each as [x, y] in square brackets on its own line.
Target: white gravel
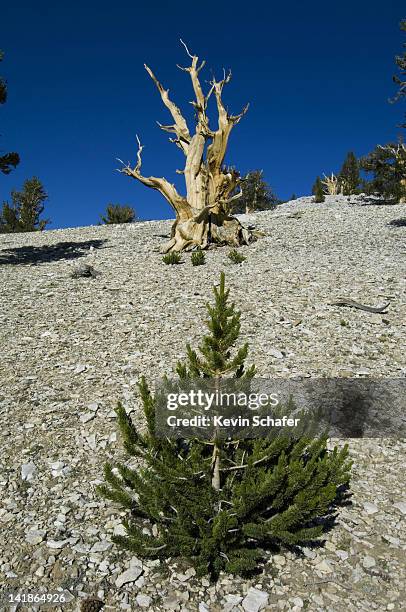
[71, 347]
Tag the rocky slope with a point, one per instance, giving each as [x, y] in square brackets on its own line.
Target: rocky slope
[71, 347]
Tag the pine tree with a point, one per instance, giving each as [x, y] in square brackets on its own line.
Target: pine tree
[116, 213]
[9, 160]
[221, 503]
[400, 80]
[387, 164]
[317, 191]
[349, 176]
[256, 194]
[8, 219]
[23, 215]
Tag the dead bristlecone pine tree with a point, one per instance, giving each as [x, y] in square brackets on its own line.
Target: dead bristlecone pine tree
[204, 215]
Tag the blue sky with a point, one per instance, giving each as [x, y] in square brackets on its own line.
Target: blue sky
[317, 76]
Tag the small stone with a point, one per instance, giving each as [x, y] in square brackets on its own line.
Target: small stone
[80, 368]
[345, 373]
[275, 353]
[88, 416]
[308, 552]
[128, 576]
[84, 271]
[318, 600]
[233, 599]
[364, 371]
[255, 600]
[182, 577]
[91, 440]
[356, 350]
[35, 536]
[279, 560]
[370, 508]
[57, 572]
[59, 468]
[297, 601]
[134, 561]
[139, 583]
[171, 602]
[11, 575]
[375, 318]
[57, 544]
[120, 530]
[104, 567]
[368, 562]
[391, 540]
[342, 554]
[401, 506]
[324, 567]
[81, 548]
[101, 546]
[203, 607]
[144, 601]
[28, 471]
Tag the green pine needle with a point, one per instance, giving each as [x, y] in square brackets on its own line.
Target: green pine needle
[281, 491]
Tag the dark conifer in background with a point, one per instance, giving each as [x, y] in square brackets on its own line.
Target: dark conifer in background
[220, 503]
[317, 191]
[400, 79]
[386, 164]
[7, 160]
[349, 176]
[257, 194]
[23, 214]
[117, 213]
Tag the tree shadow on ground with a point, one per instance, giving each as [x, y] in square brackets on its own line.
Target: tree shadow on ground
[328, 522]
[375, 200]
[33, 255]
[398, 222]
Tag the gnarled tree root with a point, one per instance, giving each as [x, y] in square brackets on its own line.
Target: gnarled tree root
[212, 230]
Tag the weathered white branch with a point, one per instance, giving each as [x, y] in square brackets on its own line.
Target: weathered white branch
[180, 127]
[187, 50]
[167, 189]
[236, 118]
[200, 104]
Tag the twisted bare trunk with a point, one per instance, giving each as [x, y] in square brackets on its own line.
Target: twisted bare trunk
[204, 215]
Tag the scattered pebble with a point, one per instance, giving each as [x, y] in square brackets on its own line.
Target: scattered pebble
[255, 600]
[28, 471]
[129, 575]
